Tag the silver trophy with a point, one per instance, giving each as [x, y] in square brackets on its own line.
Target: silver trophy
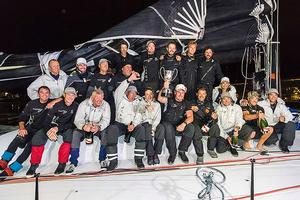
[168, 75]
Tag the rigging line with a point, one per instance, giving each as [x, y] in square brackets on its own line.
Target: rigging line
[246, 64]
[270, 192]
[242, 70]
[5, 59]
[17, 78]
[162, 18]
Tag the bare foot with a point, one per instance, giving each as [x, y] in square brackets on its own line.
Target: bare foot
[247, 146]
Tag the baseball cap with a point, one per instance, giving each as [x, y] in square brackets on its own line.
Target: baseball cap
[70, 90]
[225, 79]
[132, 88]
[81, 61]
[225, 94]
[180, 87]
[149, 42]
[103, 60]
[252, 94]
[273, 90]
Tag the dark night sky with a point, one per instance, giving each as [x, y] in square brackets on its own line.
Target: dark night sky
[34, 26]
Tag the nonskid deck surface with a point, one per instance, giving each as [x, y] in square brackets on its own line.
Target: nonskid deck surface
[278, 170]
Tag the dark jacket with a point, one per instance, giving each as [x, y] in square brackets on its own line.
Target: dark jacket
[175, 112]
[253, 110]
[170, 63]
[104, 82]
[34, 114]
[119, 61]
[81, 82]
[188, 74]
[61, 116]
[209, 72]
[203, 115]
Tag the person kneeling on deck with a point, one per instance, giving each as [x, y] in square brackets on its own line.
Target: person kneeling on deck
[149, 115]
[177, 119]
[127, 101]
[253, 115]
[279, 116]
[232, 126]
[59, 121]
[205, 123]
[30, 121]
[92, 118]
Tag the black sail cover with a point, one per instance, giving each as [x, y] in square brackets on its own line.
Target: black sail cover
[229, 26]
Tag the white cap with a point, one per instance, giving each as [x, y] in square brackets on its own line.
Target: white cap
[70, 90]
[225, 79]
[226, 94]
[103, 60]
[273, 90]
[81, 61]
[180, 87]
[132, 88]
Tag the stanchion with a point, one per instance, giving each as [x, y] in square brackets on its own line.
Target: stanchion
[37, 186]
[252, 179]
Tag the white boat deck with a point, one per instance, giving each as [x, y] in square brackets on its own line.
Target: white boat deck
[277, 176]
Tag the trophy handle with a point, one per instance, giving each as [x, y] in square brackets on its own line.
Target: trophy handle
[162, 72]
[175, 72]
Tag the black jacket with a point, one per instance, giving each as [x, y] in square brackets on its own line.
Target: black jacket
[175, 112]
[81, 82]
[34, 114]
[61, 116]
[104, 82]
[209, 72]
[119, 61]
[188, 72]
[203, 115]
[253, 110]
[149, 64]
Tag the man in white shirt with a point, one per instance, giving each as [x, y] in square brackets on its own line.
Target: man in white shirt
[279, 116]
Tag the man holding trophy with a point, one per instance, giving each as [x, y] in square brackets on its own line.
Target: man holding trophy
[177, 118]
[169, 68]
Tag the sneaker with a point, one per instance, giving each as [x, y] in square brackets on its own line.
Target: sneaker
[284, 149]
[6, 172]
[212, 153]
[3, 164]
[60, 168]
[112, 164]
[234, 152]
[183, 157]
[150, 160]
[32, 169]
[171, 159]
[199, 160]
[70, 169]
[156, 159]
[139, 163]
[104, 163]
